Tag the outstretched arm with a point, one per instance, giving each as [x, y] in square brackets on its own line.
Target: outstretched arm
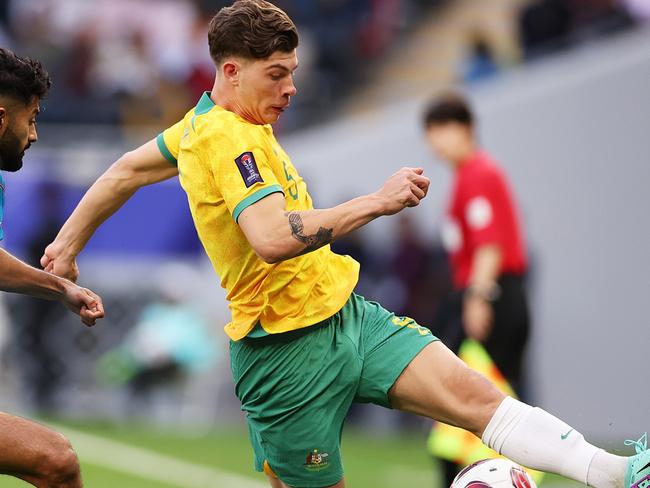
[143, 166]
[18, 277]
[277, 235]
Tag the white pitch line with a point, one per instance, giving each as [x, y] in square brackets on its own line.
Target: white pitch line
[124, 458]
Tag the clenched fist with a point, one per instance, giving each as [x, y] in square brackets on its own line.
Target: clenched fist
[406, 188]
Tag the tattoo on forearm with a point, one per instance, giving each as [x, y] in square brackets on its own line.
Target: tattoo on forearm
[312, 242]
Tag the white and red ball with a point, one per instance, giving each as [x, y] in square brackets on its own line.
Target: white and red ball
[493, 473]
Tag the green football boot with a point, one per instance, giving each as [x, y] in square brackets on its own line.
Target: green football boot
[638, 468]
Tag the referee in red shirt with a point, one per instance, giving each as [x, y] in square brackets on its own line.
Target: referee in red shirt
[482, 235]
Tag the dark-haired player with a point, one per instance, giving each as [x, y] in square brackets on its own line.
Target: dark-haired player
[304, 347]
[28, 450]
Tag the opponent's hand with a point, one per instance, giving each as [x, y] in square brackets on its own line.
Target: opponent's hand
[406, 188]
[477, 318]
[57, 262]
[83, 302]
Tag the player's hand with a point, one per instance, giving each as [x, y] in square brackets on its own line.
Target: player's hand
[477, 318]
[406, 188]
[83, 302]
[57, 262]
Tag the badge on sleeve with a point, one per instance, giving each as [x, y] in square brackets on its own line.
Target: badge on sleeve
[479, 213]
[248, 169]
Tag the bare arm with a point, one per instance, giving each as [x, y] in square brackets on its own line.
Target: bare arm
[277, 235]
[19, 277]
[143, 166]
[477, 311]
[485, 268]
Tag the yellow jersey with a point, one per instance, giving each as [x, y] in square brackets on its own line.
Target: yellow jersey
[225, 165]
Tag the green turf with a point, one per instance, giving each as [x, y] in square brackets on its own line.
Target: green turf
[95, 476]
[376, 461]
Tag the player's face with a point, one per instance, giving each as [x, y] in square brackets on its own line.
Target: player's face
[17, 133]
[266, 86]
[449, 141]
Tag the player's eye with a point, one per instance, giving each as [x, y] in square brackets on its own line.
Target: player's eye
[277, 76]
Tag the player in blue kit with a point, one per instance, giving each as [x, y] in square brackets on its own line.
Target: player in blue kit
[28, 450]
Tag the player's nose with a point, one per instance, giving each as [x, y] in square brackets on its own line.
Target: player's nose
[290, 89]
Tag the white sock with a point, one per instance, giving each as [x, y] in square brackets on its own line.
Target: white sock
[607, 470]
[536, 439]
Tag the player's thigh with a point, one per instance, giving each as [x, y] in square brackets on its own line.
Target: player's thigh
[438, 385]
[388, 344]
[26, 446]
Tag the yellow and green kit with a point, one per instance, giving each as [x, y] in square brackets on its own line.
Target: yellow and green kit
[303, 346]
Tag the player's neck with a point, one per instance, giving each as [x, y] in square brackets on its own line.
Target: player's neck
[465, 154]
[229, 102]
[221, 98]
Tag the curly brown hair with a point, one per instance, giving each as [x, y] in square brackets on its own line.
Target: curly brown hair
[22, 79]
[251, 29]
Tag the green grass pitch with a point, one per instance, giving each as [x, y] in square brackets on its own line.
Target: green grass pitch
[371, 461]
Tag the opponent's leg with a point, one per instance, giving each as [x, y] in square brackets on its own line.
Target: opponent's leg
[438, 385]
[276, 483]
[37, 454]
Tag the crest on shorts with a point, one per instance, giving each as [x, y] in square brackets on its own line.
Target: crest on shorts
[316, 461]
[248, 169]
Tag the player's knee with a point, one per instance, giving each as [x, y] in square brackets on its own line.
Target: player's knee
[60, 465]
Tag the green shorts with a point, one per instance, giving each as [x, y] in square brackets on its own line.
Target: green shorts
[296, 388]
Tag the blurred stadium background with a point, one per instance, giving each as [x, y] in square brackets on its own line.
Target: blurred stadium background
[561, 90]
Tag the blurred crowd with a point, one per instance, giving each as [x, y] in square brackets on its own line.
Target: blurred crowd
[545, 27]
[147, 61]
[548, 25]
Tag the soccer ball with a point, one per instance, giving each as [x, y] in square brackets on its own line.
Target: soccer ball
[493, 473]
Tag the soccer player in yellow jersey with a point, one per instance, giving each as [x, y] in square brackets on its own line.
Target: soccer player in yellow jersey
[303, 346]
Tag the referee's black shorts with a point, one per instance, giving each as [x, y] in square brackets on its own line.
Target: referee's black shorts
[510, 328]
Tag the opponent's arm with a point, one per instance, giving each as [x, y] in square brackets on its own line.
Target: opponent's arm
[143, 166]
[19, 277]
[277, 235]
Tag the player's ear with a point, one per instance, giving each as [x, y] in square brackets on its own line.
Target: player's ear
[3, 118]
[231, 71]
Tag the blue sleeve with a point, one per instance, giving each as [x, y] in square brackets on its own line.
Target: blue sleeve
[2, 206]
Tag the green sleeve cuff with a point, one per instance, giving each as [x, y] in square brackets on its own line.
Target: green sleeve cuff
[254, 198]
[160, 140]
